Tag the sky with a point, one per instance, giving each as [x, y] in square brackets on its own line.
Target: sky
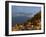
[25, 9]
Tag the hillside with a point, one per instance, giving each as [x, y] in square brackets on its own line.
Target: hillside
[31, 24]
[36, 17]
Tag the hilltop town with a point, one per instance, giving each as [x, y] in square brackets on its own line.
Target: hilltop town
[31, 24]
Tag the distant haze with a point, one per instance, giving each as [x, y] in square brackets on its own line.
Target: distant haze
[24, 10]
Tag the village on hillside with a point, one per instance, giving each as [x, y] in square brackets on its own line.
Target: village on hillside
[31, 24]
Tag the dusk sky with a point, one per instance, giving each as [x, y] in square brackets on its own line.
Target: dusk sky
[25, 9]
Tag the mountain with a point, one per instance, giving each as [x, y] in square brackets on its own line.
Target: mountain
[22, 14]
